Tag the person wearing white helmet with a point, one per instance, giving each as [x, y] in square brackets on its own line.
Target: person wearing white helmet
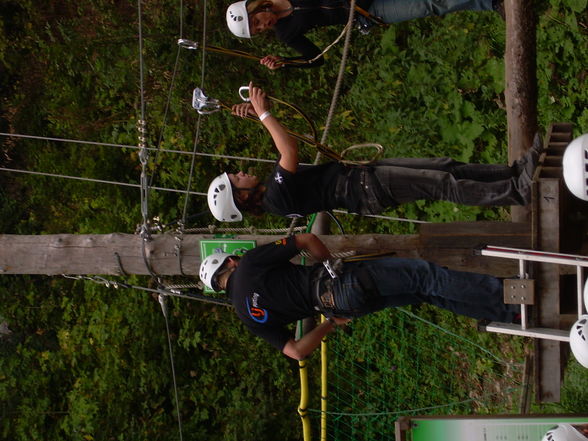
[579, 340]
[210, 269]
[566, 432]
[291, 19]
[293, 190]
[269, 292]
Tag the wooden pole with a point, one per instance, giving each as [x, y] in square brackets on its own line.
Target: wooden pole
[450, 245]
[521, 84]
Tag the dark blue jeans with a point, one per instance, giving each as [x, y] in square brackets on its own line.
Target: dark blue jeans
[402, 282]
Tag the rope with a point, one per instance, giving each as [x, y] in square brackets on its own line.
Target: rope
[421, 409]
[447, 331]
[339, 75]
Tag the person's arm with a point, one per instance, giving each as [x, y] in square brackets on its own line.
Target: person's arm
[300, 349]
[286, 145]
[311, 243]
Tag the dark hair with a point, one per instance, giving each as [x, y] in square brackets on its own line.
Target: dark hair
[256, 6]
[252, 204]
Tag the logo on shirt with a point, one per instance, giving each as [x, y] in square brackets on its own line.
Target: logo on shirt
[255, 312]
[280, 242]
[279, 178]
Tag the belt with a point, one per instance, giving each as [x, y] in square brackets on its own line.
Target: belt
[324, 295]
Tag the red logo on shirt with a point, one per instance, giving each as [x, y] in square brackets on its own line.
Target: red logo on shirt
[280, 241]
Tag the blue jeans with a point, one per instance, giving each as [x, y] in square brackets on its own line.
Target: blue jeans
[396, 11]
[402, 282]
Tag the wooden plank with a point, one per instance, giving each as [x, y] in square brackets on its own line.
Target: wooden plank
[452, 245]
[548, 225]
[474, 234]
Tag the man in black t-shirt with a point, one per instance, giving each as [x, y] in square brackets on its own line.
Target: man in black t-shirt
[269, 292]
[296, 190]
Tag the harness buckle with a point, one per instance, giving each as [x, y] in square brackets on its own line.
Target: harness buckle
[327, 300]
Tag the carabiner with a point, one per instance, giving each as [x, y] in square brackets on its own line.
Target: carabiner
[241, 90]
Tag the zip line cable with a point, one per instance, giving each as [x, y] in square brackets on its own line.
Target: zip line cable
[126, 146]
[144, 158]
[99, 181]
[199, 120]
[142, 128]
[163, 302]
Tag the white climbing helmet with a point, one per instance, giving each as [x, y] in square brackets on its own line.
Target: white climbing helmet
[579, 340]
[210, 266]
[563, 432]
[575, 171]
[238, 19]
[221, 201]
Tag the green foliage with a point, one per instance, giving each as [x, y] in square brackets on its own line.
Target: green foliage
[85, 362]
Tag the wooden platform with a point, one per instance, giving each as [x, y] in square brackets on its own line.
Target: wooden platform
[559, 225]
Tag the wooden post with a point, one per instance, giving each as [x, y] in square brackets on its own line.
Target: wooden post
[521, 84]
[450, 245]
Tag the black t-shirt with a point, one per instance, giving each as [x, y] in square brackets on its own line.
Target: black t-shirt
[310, 190]
[309, 14]
[269, 292]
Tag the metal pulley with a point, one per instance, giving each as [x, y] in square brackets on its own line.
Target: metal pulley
[203, 104]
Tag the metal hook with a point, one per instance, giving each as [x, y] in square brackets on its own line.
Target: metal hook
[203, 104]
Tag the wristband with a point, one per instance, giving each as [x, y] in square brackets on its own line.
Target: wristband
[264, 115]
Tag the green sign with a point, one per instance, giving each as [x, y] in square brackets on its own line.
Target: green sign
[529, 428]
[232, 246]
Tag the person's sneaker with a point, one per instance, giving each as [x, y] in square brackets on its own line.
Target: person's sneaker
[527, 163]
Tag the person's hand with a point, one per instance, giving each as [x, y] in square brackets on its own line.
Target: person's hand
[341, 321]
[258, 99]
[272, 62]
[243, 110]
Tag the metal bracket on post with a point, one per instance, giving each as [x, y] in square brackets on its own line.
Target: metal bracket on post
[519, 291]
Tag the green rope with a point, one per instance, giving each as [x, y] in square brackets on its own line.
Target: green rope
[447, 331]
[420, 409]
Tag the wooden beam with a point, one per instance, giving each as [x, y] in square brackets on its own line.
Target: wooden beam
[101, 254]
